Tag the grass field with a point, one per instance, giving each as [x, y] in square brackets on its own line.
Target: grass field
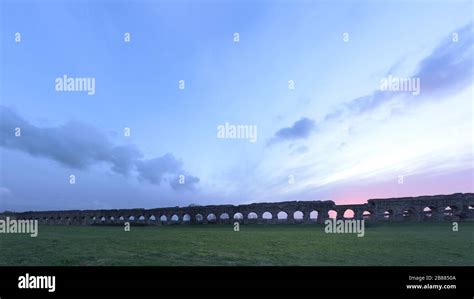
[253, 245]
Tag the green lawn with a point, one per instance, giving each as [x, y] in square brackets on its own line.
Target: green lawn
[255, 245]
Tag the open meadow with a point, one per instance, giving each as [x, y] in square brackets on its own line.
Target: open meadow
[394, 244]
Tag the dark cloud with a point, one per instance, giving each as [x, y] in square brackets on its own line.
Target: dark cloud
[74, 144]
[78, 145]
[299, 130]
[166, 168]
[189, 183]
[449, 67]
[155, 170]
[368, 102]
[124, 158]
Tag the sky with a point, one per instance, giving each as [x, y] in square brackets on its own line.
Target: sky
[305, 75]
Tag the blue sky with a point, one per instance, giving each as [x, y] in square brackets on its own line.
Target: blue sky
[335, 135]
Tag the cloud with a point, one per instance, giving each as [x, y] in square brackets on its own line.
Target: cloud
[165, 168]
[74, 144]
[447, 69]
[124, 158]
[78, 145]
[189, 183]
[301, 129]
[155, 170]
[300, 150]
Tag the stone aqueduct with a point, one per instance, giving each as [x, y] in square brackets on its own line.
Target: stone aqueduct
[454, 207]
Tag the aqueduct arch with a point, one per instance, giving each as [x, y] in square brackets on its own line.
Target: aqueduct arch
[454, 207]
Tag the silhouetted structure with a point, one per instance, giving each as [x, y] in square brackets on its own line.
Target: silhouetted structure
[454, 207]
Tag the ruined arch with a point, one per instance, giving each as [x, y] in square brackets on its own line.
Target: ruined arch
[428, 212]
[238, 216]
[367, 215]
[252, 216]
[224, 216]
[348, 214]
[409, 214]
[211, 217]
[314, 215]
[282, 216]
[174, 218]
[163, 218]
[332, 214]
[449, 211]
[186, 218]
[388, 214]
[199, 218]
[267, 216]
[152, 218]
[298, 216]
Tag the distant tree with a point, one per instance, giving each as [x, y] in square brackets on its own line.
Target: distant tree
[5, 214]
